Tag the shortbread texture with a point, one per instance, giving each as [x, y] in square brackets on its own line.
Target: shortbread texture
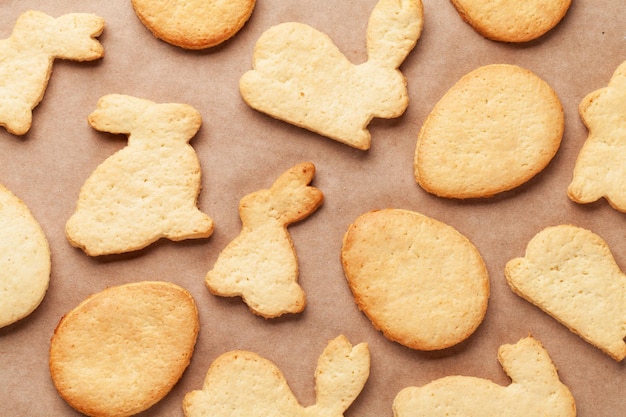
[570, 273]
[194, 24]
[149, 189]
[495, 129]
[123, 349]
[419, 281]
[535, 391]
[261, 264]
[600, 171]
[26, 59]
[244, 384]
[512, 20]
[301, 77]
[24, 260]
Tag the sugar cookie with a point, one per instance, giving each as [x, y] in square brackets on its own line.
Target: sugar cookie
[536, 390]
[149, 189]
[494, 130]
[194, 24]
[243, 383]
[260, 264]
[570, 273]
[24, 260]
[122, 350]
[419, 281]
[600, 167]
[512, 20]
[26, 59]
[302, 78]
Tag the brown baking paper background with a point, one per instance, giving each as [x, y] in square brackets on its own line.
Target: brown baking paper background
[242, 150]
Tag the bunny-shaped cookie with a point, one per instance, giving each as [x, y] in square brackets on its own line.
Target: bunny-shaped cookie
[301, 77]
[535, 391]
[26, 59]
[260, 264]
[243, 383]
[570, 273]
[600, 166]
[147, 190]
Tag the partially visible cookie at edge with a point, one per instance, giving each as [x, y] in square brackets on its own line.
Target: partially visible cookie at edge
[512, 20]
[194, 24]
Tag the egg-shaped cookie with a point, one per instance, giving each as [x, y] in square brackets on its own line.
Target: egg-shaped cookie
[24, 260]
[495, 129]
[123, 349]
[418, 280]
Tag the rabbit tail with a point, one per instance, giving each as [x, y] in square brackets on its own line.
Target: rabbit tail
[393, 30]
[341, 373]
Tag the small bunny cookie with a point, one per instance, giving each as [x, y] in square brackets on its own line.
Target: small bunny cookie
[570, 273]
[495, 129]
[123, 349]
[419, 281]
[301, 77]
[26, 59]
[243, 383]
[194, 24]
[600, 165]
[535, 391]
[260, 264]
[512, 20]
[24, 260]
[149, 189]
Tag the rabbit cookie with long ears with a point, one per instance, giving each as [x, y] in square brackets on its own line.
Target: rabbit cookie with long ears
[301, 77]
[243, 383]
[26, 59]
[570, 273]
[535, 391]
[260, 264]
[147, 190]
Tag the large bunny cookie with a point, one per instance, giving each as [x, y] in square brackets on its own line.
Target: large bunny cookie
[194, 24]
[149, 189]
[26, 59]
[24, 260]
[301, 77]
[600, 167]
[535, 391]
[260, 264]
[245, 384]
[495, 129]
[570, 273]
[512, 20]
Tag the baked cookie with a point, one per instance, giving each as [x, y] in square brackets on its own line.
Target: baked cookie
[536, 390]
[149, 189]
[26, 59]
[419, 281]
[24, 260]
[302, 78]
[570, 273]
[600, 165]
[260, 264]
[494, 130]
[243, 383]
[122, 350]
[512, 20]
[194, 24]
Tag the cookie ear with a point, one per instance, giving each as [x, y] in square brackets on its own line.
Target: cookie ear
[117, 113]
[393, 29]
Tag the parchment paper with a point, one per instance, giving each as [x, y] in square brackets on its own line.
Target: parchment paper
[242, 150]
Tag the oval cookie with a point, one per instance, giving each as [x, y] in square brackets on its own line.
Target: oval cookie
[194, 24]
[419, 281]
[24, 260]
[512, 20]
[122, 350]
[494, 130]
